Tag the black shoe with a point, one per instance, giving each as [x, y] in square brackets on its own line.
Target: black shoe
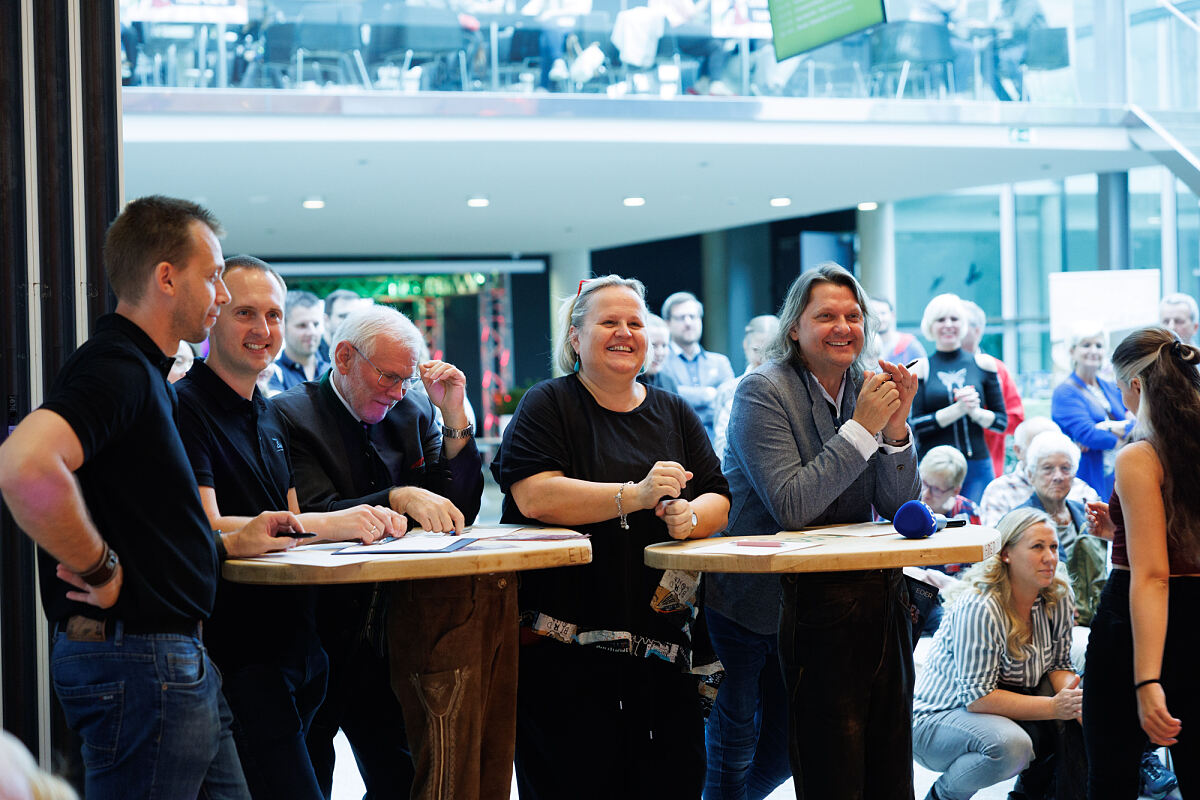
[1157, 780]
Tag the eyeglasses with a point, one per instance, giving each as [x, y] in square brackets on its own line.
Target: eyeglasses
[388, 379]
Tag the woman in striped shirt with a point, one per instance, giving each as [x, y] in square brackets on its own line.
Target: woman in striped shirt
[998, 695]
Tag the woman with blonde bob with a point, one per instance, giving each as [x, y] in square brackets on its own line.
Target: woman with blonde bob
[998, 695]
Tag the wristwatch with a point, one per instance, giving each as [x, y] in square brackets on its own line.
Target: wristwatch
[695, 521]
[458, 433]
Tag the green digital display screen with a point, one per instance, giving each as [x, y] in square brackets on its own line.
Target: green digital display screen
[803, 25]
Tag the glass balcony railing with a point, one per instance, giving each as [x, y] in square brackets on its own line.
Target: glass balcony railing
[662, 48]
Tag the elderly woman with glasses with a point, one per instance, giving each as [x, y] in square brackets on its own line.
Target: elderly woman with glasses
[998, 695]
[1051, 461]
[1089, 409]
[609, 697]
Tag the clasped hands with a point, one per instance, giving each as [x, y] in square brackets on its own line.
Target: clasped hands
[660, 490]
[885, 400]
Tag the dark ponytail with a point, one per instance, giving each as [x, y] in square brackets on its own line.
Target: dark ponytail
[1169, 418]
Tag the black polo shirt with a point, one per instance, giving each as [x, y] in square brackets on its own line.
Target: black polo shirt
[239, 447]
[136, 481]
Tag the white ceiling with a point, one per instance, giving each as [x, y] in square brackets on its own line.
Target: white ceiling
[395, 172]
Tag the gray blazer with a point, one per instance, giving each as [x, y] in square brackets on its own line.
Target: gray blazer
[788, 469]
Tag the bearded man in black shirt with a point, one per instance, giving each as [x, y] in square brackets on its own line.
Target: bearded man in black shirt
[99, 470]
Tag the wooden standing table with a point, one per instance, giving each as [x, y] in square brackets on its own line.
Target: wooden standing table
[834, 550]
[319, 564]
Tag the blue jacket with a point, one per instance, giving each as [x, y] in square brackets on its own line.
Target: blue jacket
[1077, 411]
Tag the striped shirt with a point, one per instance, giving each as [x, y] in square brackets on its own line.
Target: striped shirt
[970, 657]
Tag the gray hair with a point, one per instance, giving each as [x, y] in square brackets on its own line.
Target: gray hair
[1028, 430]
[655, 321]
[363, 327]
[574, 309]
[945, 461]
[939, 306]
[782, 348]
[1181, 299]
[976, 316]
[676, 299]
[1050, 443]
[1087, 329]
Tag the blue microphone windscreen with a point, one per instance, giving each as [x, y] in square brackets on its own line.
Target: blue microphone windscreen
[915, 520]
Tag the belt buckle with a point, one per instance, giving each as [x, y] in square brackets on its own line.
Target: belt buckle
[85, 629]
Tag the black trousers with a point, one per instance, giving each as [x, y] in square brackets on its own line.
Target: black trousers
[1111, 730]
[1059, 766]
[845, 643]
[593, 724]
[359, 698]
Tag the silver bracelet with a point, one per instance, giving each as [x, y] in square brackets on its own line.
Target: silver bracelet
[621, 515]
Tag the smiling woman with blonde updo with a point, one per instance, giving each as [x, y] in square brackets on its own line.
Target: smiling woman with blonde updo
[609, 701]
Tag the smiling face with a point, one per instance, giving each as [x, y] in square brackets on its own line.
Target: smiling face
[249, 333]
[199, 290]
[1033, 558]
[949, 329]
[1052, 477]
[830, 331]
[612, 339]
[1088, 354]
[358, 380]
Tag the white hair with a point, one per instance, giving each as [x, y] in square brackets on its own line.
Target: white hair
[1051, 443]
[938, 307]
[361, 328]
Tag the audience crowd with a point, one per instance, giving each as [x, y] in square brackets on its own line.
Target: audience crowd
[148, 465]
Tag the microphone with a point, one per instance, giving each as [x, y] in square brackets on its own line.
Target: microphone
[915, 520]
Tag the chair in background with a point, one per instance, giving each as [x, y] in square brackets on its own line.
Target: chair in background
[907, 52]
[408, 36]
[1049, 50]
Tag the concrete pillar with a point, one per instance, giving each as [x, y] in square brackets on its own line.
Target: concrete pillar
[1008, 272]
[567, 269]
[877, 251]
[1112, 220]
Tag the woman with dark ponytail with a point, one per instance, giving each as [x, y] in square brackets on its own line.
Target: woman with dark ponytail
[1143, 651]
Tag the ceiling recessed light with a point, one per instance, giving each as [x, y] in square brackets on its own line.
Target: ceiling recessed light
[478, 202]
[868, 206]
[780, 202]
[313, 202]
[634, 202]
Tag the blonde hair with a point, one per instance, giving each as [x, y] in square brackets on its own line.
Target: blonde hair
[990, 576]
[939, 305]
[574, 309]
[945, 461]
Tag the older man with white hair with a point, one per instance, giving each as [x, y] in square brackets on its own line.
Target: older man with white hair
[1013, 488]
[361, 436]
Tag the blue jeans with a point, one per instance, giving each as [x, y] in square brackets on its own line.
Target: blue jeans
[972, 751]
[979, 474]
[151, 715]
[746, 733]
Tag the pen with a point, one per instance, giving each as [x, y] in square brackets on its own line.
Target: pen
[912, 363]
[759, 543]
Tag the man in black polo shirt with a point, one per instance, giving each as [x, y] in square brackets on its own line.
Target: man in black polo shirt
[263, 638]
[99, 470]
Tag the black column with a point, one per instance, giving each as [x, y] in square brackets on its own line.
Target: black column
[17, 613]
